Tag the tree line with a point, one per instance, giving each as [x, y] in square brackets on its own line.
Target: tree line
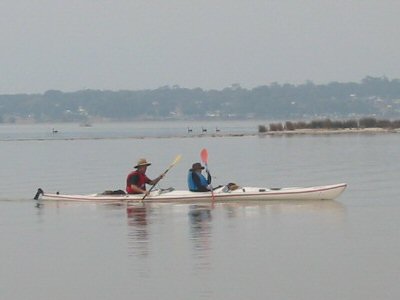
[373, 96]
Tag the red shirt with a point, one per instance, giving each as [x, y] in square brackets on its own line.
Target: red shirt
[137, 178]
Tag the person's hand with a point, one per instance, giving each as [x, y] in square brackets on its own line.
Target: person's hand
[159, 178]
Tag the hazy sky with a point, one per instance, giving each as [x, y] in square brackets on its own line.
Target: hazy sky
[70, 45]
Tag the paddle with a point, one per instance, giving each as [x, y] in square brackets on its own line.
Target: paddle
[204, 158]
[176, 160]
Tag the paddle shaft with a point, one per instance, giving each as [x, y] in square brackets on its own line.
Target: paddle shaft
[177, 159]
[204, 158]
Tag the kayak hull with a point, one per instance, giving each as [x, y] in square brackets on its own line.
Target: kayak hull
[326, 192]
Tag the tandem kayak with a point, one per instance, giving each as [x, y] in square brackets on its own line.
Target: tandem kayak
[221, 194]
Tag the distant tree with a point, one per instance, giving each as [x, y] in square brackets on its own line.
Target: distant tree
[367, 122]
[262, 128]
[383, 124]
[350, 124]
[289, 126]
[275, 127]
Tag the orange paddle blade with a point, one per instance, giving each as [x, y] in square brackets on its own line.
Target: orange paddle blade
[204, 155]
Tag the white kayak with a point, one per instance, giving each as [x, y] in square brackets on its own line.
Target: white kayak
[221, 194]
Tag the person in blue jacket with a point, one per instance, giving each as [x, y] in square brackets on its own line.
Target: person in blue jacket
[196, 180]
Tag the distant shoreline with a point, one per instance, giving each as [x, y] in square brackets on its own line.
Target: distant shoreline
[297, 132]
[331, 131]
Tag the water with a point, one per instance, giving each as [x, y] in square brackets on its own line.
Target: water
[342, 249]
[66, 131]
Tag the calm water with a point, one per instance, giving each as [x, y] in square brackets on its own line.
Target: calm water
[343, 249]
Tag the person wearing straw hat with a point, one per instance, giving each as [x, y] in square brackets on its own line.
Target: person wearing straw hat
[196, 181]
[136, 181]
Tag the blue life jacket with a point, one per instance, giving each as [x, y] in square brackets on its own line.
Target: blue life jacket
[192, 186]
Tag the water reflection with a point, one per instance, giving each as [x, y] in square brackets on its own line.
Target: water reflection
[138, 229]
[331, 207]
[199, 213]
[150, 224]
[200, 218]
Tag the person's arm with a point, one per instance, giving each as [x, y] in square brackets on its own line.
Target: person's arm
[208, 177]
[134, 187]
[155, 181]
[137, 189]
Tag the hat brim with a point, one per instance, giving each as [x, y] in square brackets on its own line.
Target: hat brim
[142, 165]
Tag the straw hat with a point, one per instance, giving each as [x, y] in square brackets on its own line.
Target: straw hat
[196, 166]
[142, 162]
